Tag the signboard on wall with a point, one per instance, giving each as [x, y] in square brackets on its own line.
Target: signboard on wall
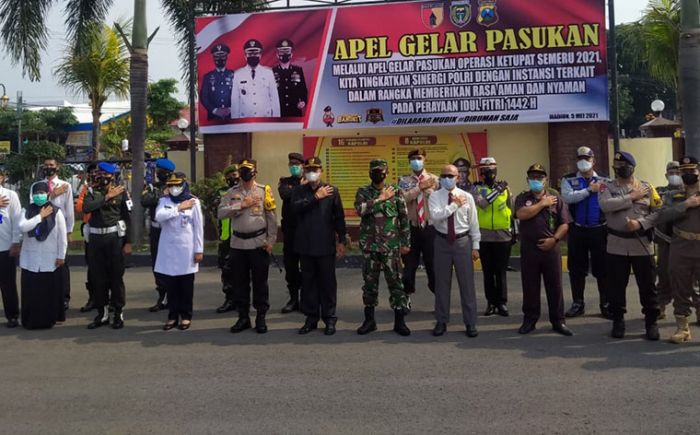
[404, 64]
[346, 159]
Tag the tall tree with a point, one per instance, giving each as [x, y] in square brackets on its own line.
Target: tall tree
[689, 60]
[163, 107]
[97, 68]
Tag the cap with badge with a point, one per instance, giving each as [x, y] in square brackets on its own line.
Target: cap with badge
[107, 167]
[584, 152]
[689, 162]
[295, 158]
[220, 49]
[230, 169]
[625, 157]
[377, 164]
[176, 179]
[252, 44]
[248, 164]
[416, 152]
[462, 164]
[536, 168]
[672, 165]
[285, 45]
[313, 163]
[487, 161]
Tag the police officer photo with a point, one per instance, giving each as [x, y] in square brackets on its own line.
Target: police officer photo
[290, 81]
[254, 91]
[319, 239]
[544, 221]
[215, 93]
[587, 236]
[251, 208]
[628, 204]
[292, 265]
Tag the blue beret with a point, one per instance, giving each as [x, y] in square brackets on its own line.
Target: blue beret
[166, 164]
[108, 167]
[623, 156]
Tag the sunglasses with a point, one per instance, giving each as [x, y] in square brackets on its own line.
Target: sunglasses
[447, 176]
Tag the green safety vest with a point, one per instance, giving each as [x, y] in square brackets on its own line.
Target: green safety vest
[224, 225]
[497, 216]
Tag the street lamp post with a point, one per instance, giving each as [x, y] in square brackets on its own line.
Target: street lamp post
[4, 100]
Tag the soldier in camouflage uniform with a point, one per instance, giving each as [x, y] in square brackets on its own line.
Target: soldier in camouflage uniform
[384, 237]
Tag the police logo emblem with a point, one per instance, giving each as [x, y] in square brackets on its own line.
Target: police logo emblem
[432, 14]
[460, 13]
[488, 14]
[375, 115]
[618, 156]
[528, 203]
[686, 161]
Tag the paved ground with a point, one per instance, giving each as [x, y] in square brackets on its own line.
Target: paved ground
[206, 380]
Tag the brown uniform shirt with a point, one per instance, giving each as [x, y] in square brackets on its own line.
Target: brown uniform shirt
[545, 223]
[251, 219]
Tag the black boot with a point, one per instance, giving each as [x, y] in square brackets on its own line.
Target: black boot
[260, 324]
[618, 329]
[101, 319]
[293, 303]
[118, 322]
[400, 324]
[242, 324]
[227, 306]
[309, 325]
[652, 329]
[369, 324]
[89, 306]
[330, 326]
[159, 303]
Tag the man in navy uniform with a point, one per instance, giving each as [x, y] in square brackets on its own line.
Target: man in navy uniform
[216, 85]
[254, 91]
[290, 81]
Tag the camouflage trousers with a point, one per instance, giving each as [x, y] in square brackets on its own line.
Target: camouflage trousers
[374, 263]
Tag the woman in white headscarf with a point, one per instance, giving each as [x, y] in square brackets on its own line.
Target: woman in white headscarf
[44, 245]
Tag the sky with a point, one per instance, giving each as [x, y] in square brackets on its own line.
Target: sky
[163, 56]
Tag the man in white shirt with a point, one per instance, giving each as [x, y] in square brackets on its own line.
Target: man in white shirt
[61, 196]
[10, 211]
[254, 91]
[453, 213]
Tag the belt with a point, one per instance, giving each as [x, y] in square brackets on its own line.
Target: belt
[630, 234]
[254, 234]
[588, 226]
[685, 235]
[106, 230]
[660, 235]
[457, 236]
[155, 224]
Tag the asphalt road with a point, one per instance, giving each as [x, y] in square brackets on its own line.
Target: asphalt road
[206, 380]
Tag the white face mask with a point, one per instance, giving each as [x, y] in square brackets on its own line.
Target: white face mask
[584, 165]
[675, 180]
[312, 176]
[176, 190]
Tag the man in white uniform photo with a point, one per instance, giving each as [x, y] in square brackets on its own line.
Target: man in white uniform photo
[254, 92]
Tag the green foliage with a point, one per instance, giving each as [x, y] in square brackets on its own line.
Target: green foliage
[163, 107]
[44, 124]
[661, 27]
[208, 190]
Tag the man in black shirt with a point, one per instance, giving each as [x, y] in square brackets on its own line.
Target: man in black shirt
[292, 274]
[320, 236]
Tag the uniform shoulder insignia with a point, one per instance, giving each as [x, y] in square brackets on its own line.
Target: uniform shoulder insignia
[570, 175]
[269, 199]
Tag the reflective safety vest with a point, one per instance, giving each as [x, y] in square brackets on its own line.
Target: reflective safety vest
[224, 225]
[497, 216]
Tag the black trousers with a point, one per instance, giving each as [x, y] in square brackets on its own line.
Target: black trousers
[180, 291]
[422, 242]
[154, 238]
[537, 265]
[494, 264]
[64, 273]
[42, 300]
[587, 247]
[8, 285]
[106, 263]
[292, 270]
[250, 265]
[319, 294]
[88, 282]
[618, 278]
[224, 251]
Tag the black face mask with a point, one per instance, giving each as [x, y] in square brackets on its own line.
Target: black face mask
[624, 171]
[162, 176]
[247, 174]
[253, 61]
[489, 176]
[231, 181]
[377, 176]
[284, 58]
[220, 62]
[49, 172]
[689, 179]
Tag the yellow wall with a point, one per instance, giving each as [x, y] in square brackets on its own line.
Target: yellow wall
[182, 162]
[651, 155]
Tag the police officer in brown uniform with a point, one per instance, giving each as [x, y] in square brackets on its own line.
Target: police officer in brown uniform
[251, 208]
[684, 257]
[544, 221]
[628, 205]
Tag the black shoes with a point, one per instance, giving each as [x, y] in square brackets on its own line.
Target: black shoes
[439, 329]
[578, 308]
[309, 325]
[291, 306]
[472, 331]
[400, 323]
[118, 322]
[618, 329]
[227, 306]
[527, 327]
[330, 327]
[170, 325]
[260, 324]
[66, 305]
[502, 310]
[241, 325]
[652, 332]
[605, 311]
[12, 323]
[490, 310]
[89, 306]
[160, 304]
[184, 326]
[369, 324]
[562, 329]
[101, 319]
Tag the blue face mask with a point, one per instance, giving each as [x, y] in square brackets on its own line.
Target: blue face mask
[40, 199]
[417, 165]
[448, 183]
[535, 185]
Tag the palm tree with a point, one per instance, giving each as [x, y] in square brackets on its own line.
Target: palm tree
[689, 62]
[98, 68]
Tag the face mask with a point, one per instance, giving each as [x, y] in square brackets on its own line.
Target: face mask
[689, 179]
[247, 174]
[220, 62]
[176, 190]
[49, 172]
[417, 165]
[536, 185]
[624, 171]
[253, 61]
[312, 176]
[675, 180]
[584, 165]
[489, 176]
[377, 176]
[231, 182]
[447, 183]
[284, 58]
[295, 170]
[106, 181]
[162, 176]
[40, 198]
